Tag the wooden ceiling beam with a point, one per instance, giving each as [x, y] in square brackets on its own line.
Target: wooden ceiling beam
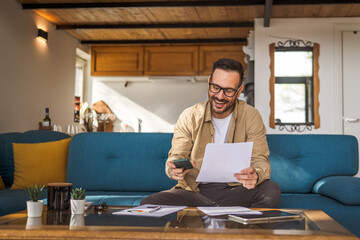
[180, 3]
[167, 41]
[159, 25]
[313, 2]
[267, 13]
[144, 4]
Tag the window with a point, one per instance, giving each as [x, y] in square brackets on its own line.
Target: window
[294, 85]
[79, 77]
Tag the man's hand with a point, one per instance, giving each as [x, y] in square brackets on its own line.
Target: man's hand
[177, 173]
[248, 177]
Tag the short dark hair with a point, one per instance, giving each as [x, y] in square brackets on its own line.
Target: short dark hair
[228, 64]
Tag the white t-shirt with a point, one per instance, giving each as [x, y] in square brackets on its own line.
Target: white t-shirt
[221, 126]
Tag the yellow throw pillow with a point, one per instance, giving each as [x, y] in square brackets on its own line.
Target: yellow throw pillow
[40, 163]
[2, 186]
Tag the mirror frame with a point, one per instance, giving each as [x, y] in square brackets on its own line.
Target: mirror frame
[316, 85]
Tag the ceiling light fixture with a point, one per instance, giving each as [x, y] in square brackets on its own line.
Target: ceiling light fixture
[42, 35]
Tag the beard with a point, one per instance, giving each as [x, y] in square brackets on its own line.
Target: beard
[229, 104]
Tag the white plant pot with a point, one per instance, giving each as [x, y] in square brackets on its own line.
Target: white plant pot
[34, 209]
[33, 222]
[77, 220]
[77, 206]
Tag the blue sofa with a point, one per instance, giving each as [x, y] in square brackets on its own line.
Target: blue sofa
[313, 171]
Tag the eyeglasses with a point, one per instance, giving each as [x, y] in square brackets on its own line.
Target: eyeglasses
[229, 92]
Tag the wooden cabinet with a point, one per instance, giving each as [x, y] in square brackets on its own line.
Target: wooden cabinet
[186, 60]
[117, 61]
[209, 54]
[171, 61]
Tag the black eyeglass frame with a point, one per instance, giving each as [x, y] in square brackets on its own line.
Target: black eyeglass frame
[224, 89]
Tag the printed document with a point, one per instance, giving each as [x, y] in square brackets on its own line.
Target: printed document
[217, 211]
[149, 210]
[222, 161]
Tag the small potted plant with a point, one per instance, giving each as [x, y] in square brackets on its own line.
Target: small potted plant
[77, 201]
[34, 205]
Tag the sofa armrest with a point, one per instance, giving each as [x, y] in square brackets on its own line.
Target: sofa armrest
[344, 189]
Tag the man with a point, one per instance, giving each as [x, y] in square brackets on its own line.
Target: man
[221, 119]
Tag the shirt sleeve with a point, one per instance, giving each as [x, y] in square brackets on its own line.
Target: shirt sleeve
[256, 133]
[182, 142]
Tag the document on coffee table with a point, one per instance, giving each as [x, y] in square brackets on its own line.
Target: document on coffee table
[149, 210]
[221, 161]
[217, 211]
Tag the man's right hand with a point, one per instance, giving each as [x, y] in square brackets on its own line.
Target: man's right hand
[177, 173]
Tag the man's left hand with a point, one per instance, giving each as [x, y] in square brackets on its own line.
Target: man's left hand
[247, 177]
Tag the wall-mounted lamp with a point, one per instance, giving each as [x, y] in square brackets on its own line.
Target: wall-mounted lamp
[42, 35]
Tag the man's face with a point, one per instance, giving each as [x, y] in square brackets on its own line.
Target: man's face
[222, 105]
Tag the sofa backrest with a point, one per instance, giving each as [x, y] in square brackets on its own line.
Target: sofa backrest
[119, 161]
[298, 161]
[6, 148]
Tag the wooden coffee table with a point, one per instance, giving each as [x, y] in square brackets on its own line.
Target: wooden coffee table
[186, 224]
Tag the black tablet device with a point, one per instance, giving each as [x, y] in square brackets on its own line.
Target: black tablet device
[266, 216]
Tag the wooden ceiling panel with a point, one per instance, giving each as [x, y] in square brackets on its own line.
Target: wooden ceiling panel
[355, 11]
[311, 10]
[286, 11]
[315, 11]
[171, 15]
[152, 15]
[107, 21]
[147, 34]
[333, 10]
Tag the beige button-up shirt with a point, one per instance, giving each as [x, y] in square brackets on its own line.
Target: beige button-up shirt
[194, 130]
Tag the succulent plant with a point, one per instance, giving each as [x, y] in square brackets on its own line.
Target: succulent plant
[78, 194]
[34, 192]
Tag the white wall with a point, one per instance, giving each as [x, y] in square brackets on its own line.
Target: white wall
[33, 75]
[158, 105]
[319, 30]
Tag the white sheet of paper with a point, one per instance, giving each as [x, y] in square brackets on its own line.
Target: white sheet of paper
[146, 210]
[221, 161]
[217, 211]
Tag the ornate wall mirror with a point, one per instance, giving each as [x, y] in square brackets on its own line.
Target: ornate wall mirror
[294, 85]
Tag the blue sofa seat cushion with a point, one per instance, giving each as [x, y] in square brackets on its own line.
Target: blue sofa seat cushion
[116, 197]
[344, 189]
[15, 200]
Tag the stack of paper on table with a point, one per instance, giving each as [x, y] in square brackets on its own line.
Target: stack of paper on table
[149, 210]
[217, 211]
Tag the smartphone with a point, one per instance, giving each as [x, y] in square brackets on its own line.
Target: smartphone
[183, 163]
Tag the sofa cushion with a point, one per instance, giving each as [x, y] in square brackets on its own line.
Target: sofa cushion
[6, 148]
[15, 200]
[344, 214]
[298, 161]
[6, 157]
[344, 189]
[119, 161]
[40, 163]
[41, 136]
[116, 197]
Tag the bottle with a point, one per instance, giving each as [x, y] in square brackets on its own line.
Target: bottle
[47, 121]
